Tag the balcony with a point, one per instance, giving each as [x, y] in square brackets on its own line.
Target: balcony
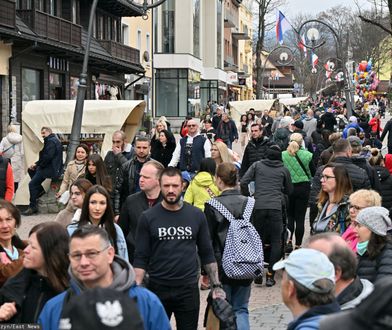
[52, 27]
[7, 13]
[244, 35]
[121, 51]
[231, 18]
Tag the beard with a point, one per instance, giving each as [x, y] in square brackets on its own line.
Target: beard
[170, 200]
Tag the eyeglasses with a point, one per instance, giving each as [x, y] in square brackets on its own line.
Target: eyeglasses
[356, 207]
[191, 125]
[91, 255]
[326, 177]
[116, 141]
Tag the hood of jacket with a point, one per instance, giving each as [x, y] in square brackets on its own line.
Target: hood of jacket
[272, 163]
[203, 179]
[382, 172]
[282, 133]
[123, 276]
[14, 138]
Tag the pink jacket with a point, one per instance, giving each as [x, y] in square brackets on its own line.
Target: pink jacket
[351, 238]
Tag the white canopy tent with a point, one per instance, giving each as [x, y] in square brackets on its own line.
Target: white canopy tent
[99, 117]
[238, 108]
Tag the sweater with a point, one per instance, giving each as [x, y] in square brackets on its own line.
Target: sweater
[201, 189]
[168, 242]
[297, 173]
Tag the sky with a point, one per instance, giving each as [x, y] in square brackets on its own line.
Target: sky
[295, 7]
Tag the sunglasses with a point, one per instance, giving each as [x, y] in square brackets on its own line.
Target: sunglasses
[192, 125]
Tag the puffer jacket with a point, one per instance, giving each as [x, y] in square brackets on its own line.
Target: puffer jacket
[358, 176]
[297, 173]
[386, 186]
[254, 151]
[12, 147]
[381, 266]
[201, 189]
[363, 163]
[218, 226]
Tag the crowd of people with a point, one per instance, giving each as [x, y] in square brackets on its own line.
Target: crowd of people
[156, 221]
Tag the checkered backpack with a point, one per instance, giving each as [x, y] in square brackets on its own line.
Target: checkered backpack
[243, 252]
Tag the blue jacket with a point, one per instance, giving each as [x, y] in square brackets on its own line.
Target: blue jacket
[351, 125]
[150, 308]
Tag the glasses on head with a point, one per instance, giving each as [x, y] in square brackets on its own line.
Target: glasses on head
[91, 255]
[191, 125]
[355, 207]
[327, 177]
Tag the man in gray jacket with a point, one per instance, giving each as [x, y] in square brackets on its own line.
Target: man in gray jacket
[272, 183]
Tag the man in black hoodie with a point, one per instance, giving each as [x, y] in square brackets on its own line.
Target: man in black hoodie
[49, 165]
[329, 120]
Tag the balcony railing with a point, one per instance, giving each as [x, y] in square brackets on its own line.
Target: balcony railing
[121, 51]
[7, 13]
[52, 27]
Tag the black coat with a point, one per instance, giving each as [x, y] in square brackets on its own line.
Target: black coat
[387, 129]
[386, 186]
[50, 161]
[377, 268]
[218, 226]
[371, 172]
[254, 151]
[163, 154]
[131, 211]
[329, 121]
[30, 292]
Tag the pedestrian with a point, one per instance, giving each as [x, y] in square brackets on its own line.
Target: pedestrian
[135, 204]
[308, 285]
[191, 149]
[97, 211]
[216, 119]
[128, 182]
[350, 290]
[352, 123]
[310, 123]
[375, 124]
[11, 246]
[75, 169]
[94, 264]
[300, 165]
[333, 200]
[266, 122]
[202, 187]
[244, 131]
[44, 275]
[237, 291]
[11, 147]
[96, 172]
[49, 165]
[329, 121]
[282, 134]
[374, 248]
[220, 153]
[159, 127]
[388, 130]
[272, 184]
[164, 147]
[208, 131]
[358, 201]
[169, 237]
[227, 130]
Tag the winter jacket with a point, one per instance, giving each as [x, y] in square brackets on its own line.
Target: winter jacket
[201, 189]
[375, 124]
[387, 130]
[114, 162]
[351, 238]
[218, 226]
[132, 208]
[272, 183]
[281, 137]
[296, 171]
[310, 320]
[71, 174]
[254, 151]
[15, 152]
[363, 163]
[50, 161]
[30, 291]
[329, 121]
[358, 176]
[310, 125]
[6, 180]
[122, 250]
[351, 125]
[386, 186]
[354, 293]
[11, 267]
[377, 268]
[163, 154]
[227, 131]
[150, 308]
[267, 128]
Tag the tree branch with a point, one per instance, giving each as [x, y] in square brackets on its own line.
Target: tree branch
[366, 20]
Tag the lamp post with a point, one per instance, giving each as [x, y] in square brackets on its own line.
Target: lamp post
[78, 114]
[314, 36]
[285, 57]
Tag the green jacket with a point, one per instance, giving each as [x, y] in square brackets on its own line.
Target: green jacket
[296, 171]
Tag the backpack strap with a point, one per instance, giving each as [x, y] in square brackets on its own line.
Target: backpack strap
[227, 214]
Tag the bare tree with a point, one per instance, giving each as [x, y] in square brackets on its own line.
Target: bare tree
[382, 10]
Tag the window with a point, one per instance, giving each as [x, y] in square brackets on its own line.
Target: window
[196, 28]
[168, 22]
[56, 86]
[139, 40]
[31, 85]
[100, 27]
[125, 34]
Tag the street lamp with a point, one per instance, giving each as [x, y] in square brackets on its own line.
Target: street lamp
[317, 41]
[285, 57]
[82, 87]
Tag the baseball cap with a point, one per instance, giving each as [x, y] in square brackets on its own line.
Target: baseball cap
[299, 124]
[307, 266]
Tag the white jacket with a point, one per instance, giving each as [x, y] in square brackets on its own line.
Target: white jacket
[11, 147]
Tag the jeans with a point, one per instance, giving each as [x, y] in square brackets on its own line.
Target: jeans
[298, 203]
[183, 301]
[35, 187]
[238, 298]
[269, 225]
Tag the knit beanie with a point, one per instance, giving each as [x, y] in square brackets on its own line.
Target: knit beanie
[376, 219]
[274, 152]
[285, 121]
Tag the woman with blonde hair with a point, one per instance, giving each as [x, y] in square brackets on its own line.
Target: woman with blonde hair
[155, 142]
[220, 153]
[299, 163]
[358, 201]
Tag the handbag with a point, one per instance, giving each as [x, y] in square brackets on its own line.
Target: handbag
[302, 166]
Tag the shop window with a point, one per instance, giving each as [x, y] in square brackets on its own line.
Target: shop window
[56, 86]
[31, 85]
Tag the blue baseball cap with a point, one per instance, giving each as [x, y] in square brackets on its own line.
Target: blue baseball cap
[307, 266]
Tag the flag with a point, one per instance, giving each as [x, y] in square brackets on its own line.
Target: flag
[314, 58]
[301, 45]
[282, 26]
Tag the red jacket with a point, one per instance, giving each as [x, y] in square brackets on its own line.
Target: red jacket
[375, 124]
